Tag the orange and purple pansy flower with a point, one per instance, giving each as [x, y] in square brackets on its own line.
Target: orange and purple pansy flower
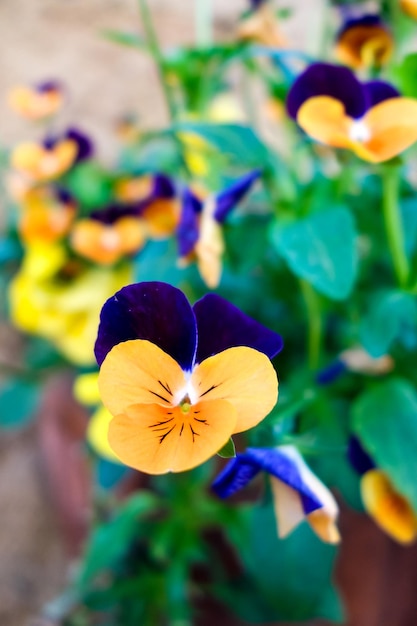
[37, 102]
[364, 41]
[181, 380]
[298, 494]
[199, 230]
[46, 214]
[53, 157]
[381, 499]
[371, 119]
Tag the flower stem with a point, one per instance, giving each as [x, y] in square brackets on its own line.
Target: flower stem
[315, 324]
[393, 223]
[155, 50]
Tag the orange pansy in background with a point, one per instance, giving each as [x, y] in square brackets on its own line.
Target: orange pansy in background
[363, 42]
[46, 214]
[38, 102]
[261, 26]
[334, 108]
[181, 380]
[409, 7]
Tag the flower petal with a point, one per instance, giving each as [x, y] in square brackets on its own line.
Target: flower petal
[358, 457]
[324, 119]
[210, 247]
[188, 227]
[393, 128]
[377, 91]
[242, 376]
[97, 434]
[221, 325]
[324, 79]
[138, 372]
[156, 439]
[390, 510]
[235, 476]
[154, 311]
[289, 512]
[227, 199]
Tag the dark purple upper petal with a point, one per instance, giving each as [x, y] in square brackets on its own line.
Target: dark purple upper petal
[244, 467]
[377, 91]
[48, 85]
[221, 325]
[112, 213]
[332, 372]
[154, 311]
[163, 187]
[227, 199]
[358, 458]
[324, 79]
[360, 21]
[84, 143]
[188, 227]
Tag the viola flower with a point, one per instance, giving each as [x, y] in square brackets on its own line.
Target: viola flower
[46, 214]
[54, 297]
[363, 42]
[261, 26]
[334, 108]
[37, 102]
[298, 494]
[51, 158]
[154, 197]
[199, 231]
[381, 499]
[409, 7]
[180, 380]
[109, 235]
[355, 360]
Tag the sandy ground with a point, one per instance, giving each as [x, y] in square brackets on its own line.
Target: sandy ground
[42, 39]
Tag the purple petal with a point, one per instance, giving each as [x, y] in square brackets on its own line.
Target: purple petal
[324, 79]
[235, 476]
[48, 85]
[112, 213]
[188, 227]
[154, 311]
[332, 372]
[163, 187]
[358, 458]
[227, 199]
[377, 91]
[221, 325]
[84, 144]
[360, 21]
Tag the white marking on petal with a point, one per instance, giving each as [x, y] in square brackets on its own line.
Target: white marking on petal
[359, 131]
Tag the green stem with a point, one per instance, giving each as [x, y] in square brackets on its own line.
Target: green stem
[393, 223]
[203, 23]
[315, 325]
[155, 50]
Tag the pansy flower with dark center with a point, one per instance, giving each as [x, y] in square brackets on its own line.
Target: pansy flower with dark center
[37, 102]
[381, 499]
[261, 26]
[46, 214]
[371, 119]
[53, 157]
[364, 41]
[199, 231]
[298, 493]
[109, 235]
[181, 380]
[409, 7]
[154, 197]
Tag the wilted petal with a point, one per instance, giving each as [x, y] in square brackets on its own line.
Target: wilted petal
[242, 376]
[158, 439]
[154, 311]
[221, 325]
[390, 510]
[227, 199]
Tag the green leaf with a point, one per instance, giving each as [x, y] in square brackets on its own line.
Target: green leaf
[409, 218]
[90, 185]
[392, 316]
[237, 141]
[321, 249]
[385, 420]
[290, 578]
[18, 403]
[110, 541]
[132, 40]
[228, 451]
[407, 76]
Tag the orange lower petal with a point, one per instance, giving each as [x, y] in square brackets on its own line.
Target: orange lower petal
[156, 439]
[323, 118]
[161, 217]
[390, 510]
[139, 372]
[393, 128]
[242, 376]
